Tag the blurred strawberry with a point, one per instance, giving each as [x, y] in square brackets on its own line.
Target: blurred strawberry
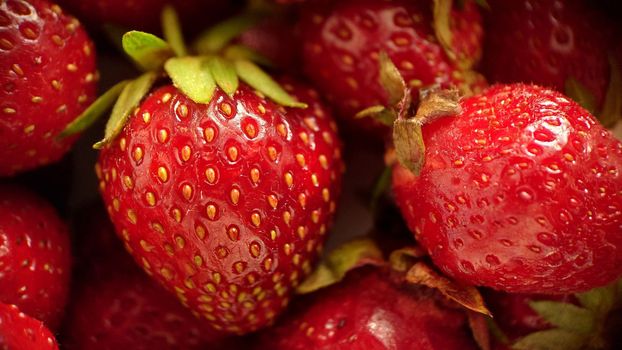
[19, 331]
[343, 39]
[35, 256]
[48, 78]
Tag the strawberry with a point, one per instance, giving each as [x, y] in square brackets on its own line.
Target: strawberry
[127, 310]
[368, 310]
[549, 42]
[143, 14]
[48, 77]
[226, 204]
[519, 190]
[342, 41]
[35, 256]
[19, 331]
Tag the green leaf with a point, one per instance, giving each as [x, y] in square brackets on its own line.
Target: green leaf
[382, 186]
[483, 4]
[578, 92]
[191, 75]
[224, 74]
[94, 111]
[131, 96]
[409, 145]
[172, 30]
[241, 52]
[612, 107]
[599, 300]
[391, 79]
[262, 82]
[348, 256]
[381, 114]
[565, 316]
[442, 26]
[552, 339]
[147, 50]
[217, 37]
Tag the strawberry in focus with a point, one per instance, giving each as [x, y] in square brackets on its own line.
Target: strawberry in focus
[35, 256]
[368, 310]
[342, 41]
[520, 192]
[19, 331]
[48, 77]
[226, 204]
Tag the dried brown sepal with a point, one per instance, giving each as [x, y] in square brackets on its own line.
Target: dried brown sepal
[407, 133]
[467, 296]
[349, 256]
[404, 258]
[478, 324]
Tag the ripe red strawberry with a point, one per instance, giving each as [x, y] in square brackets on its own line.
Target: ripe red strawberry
[144, 14]
[342, 41]
[547, 42]
[226, 204]
[35, 256]
[520, 192]
[18, 331]
[367, 310]
[48, 77]
[128, 310]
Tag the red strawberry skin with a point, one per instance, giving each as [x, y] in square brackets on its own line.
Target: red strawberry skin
[225, 204]
[520, 192]
[47, 78]
[128, 310]
[367, 311]
[546, 42]
[19, 331]
[144, 14]
[35, 256]
[342, 40]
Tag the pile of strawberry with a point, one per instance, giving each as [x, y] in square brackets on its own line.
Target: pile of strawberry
[222, 175]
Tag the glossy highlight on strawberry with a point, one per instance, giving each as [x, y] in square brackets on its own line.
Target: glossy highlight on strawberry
[227, 204]
[19, 331]
[520, 192]
[47, 78]
[370, 311]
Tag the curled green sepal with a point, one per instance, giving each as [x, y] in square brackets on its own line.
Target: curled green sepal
[131, 96]
[224, 74]
[94, 111]
[251, 74]
[391, 79]
[350, 255]
[172, 31]
[147, 50]
[216, 38]
[612, 107]
[192, 76]
[578, 92]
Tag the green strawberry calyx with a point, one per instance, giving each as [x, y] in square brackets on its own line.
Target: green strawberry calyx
[586, 324]
[216, 65]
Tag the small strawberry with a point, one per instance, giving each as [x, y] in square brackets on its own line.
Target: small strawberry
[18, 331]
[550, 43]
[519, 190]
[48, 77]
[368, 310]
[143, 14]
[343, 39]
[35, 256]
